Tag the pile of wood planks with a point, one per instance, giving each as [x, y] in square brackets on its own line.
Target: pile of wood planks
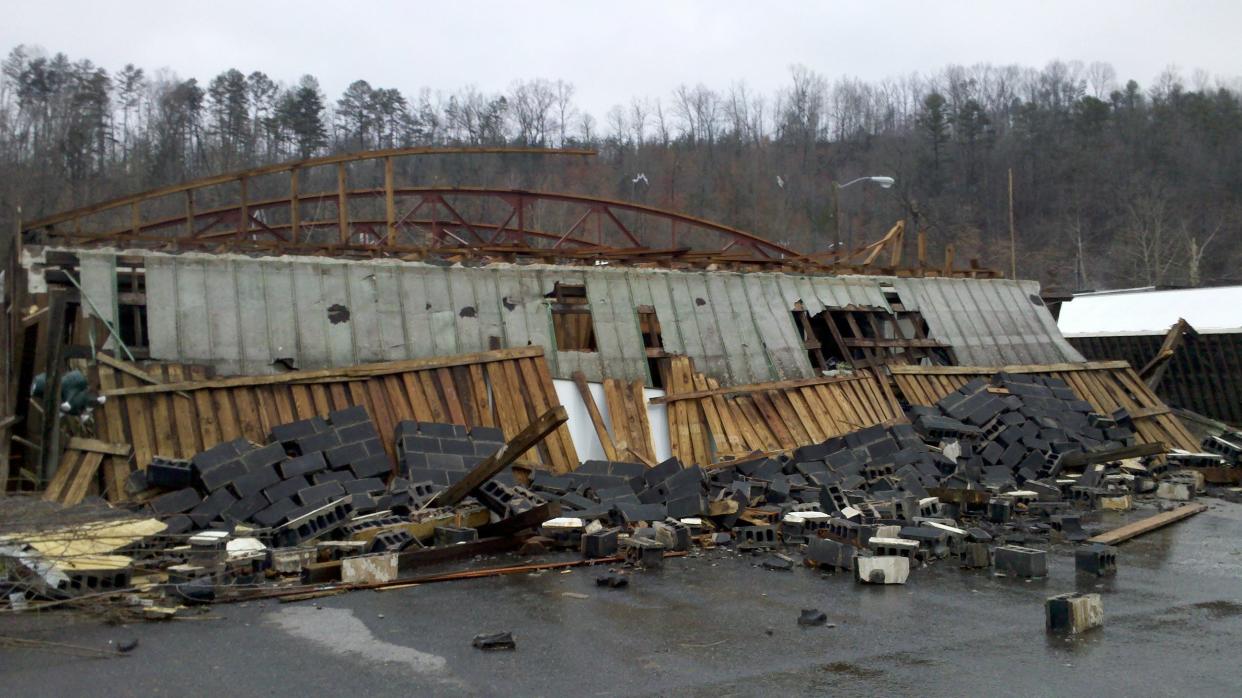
[1107, 385]
[707, 422]
[185, 412]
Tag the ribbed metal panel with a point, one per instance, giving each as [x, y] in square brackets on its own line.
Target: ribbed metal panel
[242, 314]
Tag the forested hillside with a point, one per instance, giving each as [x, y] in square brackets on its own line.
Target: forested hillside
[1116, 183]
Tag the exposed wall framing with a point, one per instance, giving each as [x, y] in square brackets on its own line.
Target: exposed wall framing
[188, 412]
[708, 423]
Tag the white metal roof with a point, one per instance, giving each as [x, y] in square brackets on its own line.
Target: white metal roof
[1145, 311]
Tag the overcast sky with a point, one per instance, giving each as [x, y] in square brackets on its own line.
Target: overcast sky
[617, 49]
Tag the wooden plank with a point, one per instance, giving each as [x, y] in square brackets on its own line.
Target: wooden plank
[1151, 523]
[117, 469]
[532, 434]
[226, 414]
[644, 419]
[79, 443]
[247, 413]
[789, 417]
[205, 412]
[741, 436]
[189, 440]
[426, 380]
[549, 389]
[162, 419]
[418, 401]
[774, 421]
[349, 372]
[451, 400]
[755, 388]
[83, 478]
[1018, 368]
[597, 419]
[303, 403]
[70, 460]
[715, 424]
[1079, 459]
[758, 423]
[319, 394]
[478, 385]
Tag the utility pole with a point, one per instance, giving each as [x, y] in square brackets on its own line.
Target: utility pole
[1013, 244]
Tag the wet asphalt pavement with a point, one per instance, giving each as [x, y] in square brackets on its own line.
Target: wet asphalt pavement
[714, 625]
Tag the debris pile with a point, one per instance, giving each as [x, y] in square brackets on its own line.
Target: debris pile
[987, 478]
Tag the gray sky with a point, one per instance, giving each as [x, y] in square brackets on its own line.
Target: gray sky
[614, 50]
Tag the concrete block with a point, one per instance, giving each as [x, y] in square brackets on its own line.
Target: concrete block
[1073, 613]
[1177, 491]
[643, 552]
[169, 473]
[176, 502]
[255, 481]
[308, 464]
[369, 569]
[1018, 561]
[349, 415]
[454, 535]
[1100, 560]
[600, 543]
[882, 569]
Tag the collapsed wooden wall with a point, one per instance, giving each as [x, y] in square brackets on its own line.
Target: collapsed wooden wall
[1107, 385]
[707, 422]
[186, 413]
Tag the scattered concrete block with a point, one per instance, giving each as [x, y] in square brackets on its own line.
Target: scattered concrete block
[882, 569]
[369, 569]
[643, 552]
[1022, 562]
[1099, 560]
[1073, 613]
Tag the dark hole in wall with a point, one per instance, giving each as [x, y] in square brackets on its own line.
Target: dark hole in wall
[337, 314]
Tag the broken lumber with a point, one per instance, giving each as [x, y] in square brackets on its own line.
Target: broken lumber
[597, 420]
[1147, 525]
[493, 464]
[1083, 458]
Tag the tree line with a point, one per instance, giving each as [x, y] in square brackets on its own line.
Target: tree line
[1115, 184]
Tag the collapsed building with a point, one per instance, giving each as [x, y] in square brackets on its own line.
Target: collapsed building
[354, 396]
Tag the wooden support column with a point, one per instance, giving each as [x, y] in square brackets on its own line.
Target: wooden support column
[922, 243]
[390, 208]
[295, 210]
[342, 203]
[49, 440]
[948, 260]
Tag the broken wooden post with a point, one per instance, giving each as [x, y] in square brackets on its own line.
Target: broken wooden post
[493, 464]
[597, 420]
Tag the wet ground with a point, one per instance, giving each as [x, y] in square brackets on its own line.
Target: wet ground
[715, 625]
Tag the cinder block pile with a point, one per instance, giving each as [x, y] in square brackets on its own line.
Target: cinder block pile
[1018, 428]
[306, 466]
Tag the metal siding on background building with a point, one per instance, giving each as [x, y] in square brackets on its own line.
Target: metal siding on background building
[240, 314]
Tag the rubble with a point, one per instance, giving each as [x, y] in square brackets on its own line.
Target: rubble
[993, 476]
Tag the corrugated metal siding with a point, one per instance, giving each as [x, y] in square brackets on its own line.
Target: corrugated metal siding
[241, 314]
[988, 322]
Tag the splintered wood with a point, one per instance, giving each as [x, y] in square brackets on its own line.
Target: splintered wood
[184, 412]
[627, 409]
[1107, 385]
[707, 422]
